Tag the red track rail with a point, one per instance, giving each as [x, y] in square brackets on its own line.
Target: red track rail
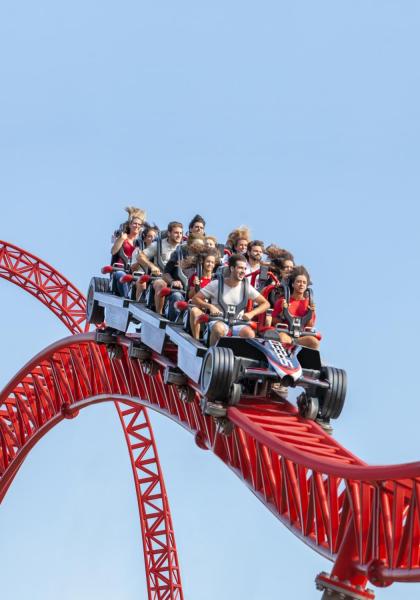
[41, 280]
[365, 518]
[161, 559]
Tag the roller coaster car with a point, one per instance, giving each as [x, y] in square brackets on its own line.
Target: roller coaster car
[250, 366]
[235, 366]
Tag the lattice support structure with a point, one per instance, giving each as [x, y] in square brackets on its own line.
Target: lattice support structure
[164, 577]
[365, 519]
[160, 555]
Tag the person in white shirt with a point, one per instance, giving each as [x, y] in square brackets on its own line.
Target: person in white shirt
[254, 255]
[148, 259]
[233, 297]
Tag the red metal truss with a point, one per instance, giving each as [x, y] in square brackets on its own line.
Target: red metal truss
[65, 301]
[364, 518]
[45, 283]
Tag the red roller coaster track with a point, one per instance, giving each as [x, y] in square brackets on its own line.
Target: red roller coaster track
[364, 518]
[160, 555]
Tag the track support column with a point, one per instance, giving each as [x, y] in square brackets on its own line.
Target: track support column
[334, 589]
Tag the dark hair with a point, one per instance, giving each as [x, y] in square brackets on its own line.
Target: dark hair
[149, 227]
[211, 252]
[235, 258]
[255, 243]
[173, 224]
[274, 252]
[300, 270]
[196, 219]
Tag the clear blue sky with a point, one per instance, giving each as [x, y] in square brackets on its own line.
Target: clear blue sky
[300, 119]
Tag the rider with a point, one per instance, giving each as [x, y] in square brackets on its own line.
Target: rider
[281, 261]
[228, 296]
[148, 258]
[255, 251]
[209, 260]
[298, 306]
[179, 268]
[237, 242]
[126, 241]
[210, 242]
[197, 225]
[148, 236]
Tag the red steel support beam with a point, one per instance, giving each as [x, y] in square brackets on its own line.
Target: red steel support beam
[58, 294]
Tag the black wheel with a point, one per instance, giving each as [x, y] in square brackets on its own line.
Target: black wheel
[217, 373]
[332, 400]
[94, 313]
[308, 406]
[235, 394]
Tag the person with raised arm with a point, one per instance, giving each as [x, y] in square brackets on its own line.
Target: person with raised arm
[125, 243]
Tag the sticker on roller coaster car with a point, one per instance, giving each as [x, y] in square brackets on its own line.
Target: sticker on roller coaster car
[281, 360]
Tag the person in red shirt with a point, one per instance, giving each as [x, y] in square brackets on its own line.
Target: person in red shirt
[124, 245]
[297, 306]
[195, 284]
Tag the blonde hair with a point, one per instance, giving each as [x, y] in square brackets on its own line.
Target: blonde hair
[135, 213]
[211, 237]
[240, 233]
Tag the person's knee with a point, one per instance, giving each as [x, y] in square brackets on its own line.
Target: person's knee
[218, 331]
[310, 342]
[284, 338]
[158, 285]
[194, 314]
[219, 328]
[247, 333]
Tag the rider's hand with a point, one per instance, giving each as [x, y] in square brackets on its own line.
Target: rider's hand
[177, 285]
[312, 307]
[155, 271]
[214, 311]
[196, 281]
[124, 236]
[246, 317]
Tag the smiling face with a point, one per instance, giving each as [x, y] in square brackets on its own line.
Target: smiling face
[175, 235]
[135, 226]
[238, 272]
[241, 246]
[209, 264]
[209, 243]
[150, 237]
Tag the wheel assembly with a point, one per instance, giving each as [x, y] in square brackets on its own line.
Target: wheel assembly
[332, 400]
[235, 394]
[217, 373]
[94, 313]
[308, 406]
